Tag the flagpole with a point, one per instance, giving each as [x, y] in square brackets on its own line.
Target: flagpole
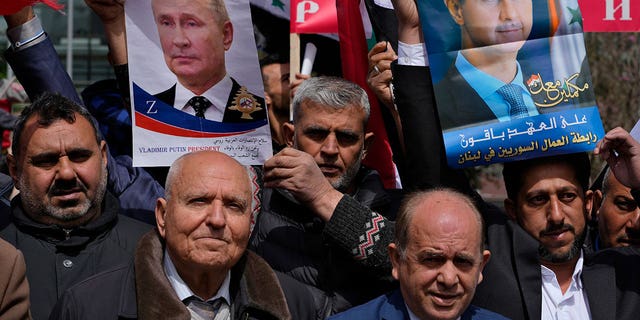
[294, 61]
[70, 38]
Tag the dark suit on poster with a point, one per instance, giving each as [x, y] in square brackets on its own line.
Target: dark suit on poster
[391, 306]
[230, 114]
[512, 280]
[458, 103]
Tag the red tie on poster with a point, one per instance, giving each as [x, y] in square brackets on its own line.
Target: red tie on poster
[610, 15]
[12, 6]
[313, 16]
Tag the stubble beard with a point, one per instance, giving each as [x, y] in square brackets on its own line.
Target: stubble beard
[572, 253]
[36, 207]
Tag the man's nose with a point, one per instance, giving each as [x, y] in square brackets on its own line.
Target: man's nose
[216, 216]
[180, 38]
[507, 10]
[330, 145]
[634, 220]
[555, 215]
[448, 275]
[65, 169]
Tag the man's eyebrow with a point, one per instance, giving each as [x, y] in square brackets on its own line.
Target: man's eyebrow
[347, 132]
[465, 256]
[315, 128]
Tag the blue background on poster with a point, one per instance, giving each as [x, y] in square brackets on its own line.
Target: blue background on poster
[543, 135]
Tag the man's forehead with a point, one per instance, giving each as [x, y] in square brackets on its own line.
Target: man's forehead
[206, 166]
[80, 125]
[350, 112]
[444, 215]
[543, 175]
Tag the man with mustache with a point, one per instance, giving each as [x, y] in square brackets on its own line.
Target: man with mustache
[64, 221]
[438, 255]
[486, 82]
[617, 214]
[194, 35]
[195, 264]
[323, 219]
[538, 267]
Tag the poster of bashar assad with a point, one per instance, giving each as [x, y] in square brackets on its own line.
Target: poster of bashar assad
[195, 81]
[511, 79]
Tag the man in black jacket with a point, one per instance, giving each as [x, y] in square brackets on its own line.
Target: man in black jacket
[324, 217]
[64, 221]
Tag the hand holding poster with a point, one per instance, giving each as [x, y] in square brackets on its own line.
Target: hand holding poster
[503, 91]
[195, 81]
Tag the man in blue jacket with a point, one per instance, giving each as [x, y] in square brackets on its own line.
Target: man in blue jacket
[437, 256]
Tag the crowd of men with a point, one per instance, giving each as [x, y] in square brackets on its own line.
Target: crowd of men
[312, 234]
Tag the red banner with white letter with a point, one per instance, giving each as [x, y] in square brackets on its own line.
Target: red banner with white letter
[313, 16]
[610, 15]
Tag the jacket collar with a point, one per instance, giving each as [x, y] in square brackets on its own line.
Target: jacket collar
[528, 270]
[254, 286]
[67, 239]
[395, 307]
[598, 279]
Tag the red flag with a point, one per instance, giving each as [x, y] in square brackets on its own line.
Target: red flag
[353, 52]
[12, 6]
[610, 15]
[313, 16]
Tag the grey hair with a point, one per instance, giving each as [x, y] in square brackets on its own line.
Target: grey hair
[332, 92]
[409, 207]
[219, 10]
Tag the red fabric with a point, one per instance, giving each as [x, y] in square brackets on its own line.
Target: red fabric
[623, 15]
[353, 51]
[12, 6]
[313, 16]
[6, 134]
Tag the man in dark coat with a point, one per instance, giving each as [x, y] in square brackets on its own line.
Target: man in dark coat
[64, 221]
[196, 258]
[324, 219]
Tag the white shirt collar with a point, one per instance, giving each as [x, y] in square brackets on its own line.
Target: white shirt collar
[573, 304]
[218, 95]
[183, 291]
[548, 274]
[412, 315]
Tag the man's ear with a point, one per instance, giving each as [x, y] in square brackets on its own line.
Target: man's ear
[510, 208]
[394, 255]
[267, 99]
[486, 255]
[103, 152]
[161, 211]
[227, 34]
[369, 137]
[455, 9]
[588, 201]
[288, 129]
[597, 202]
[13, 169]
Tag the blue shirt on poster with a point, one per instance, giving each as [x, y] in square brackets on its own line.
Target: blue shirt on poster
[486, 86]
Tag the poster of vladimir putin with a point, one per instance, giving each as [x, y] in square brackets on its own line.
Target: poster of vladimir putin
[195, 81]
[510, 77]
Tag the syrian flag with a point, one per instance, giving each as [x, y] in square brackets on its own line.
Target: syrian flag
[353, 51]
